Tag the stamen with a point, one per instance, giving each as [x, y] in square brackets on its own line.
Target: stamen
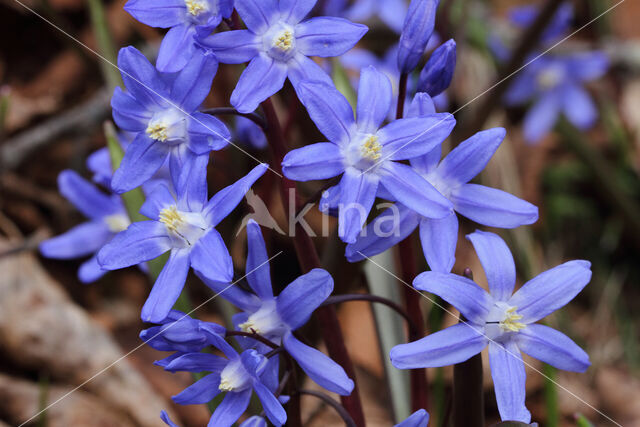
[157, 131]
[510, 321]
[371, 149]
[249, 327]
[284, 41]
[195, 7]
[225, 385]
[171, 218]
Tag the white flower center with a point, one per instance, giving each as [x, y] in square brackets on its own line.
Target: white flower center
[510, 320]
[185, 228]
[280, 41]
[549, 78]
[168, 125]
[117, 222]
[266, 321]
[196, 7]
[364, 152]
[234, 377]
[371, 148]
[503, 320]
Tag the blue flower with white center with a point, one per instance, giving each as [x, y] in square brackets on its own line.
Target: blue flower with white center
[186, 19]
[416, 32]
[501, 319]
[237, 375]
[420, 418]
[278, 45]
[451, 176]
[180, 333]
[555, 84]
[185, 226]
[160, 109]
[391, 12]
[277, 317]
[107, 217]
[365, 154]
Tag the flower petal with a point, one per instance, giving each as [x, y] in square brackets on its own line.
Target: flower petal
[551, 290]
[165, 417]
[462, 293]
[409, 138]
[272, 407]
[553, 347]
[85, 196]
[231, 408]
[141, 78]
[541, 118]
[142, 241]
[329, 110]
[422, 105]
[439, 238]
[158, 13]
[356, 199]
[507, 371]
[81, 240]
[90, 270]
[320, 368]
[141, 161]
[210, 257]
[497, 262]
[302, 69]
[233, 47]
[417, 30]
[327, 36]
[207, 133]
[316, 161]
[579, 107]
[420, 418]
[262, 78]
[166, 290]
[470, 157]
[294, 11]
[374, 99]
[198, 362]
[202, 391]
[160, 198]
[492, 207]
[449, 346]
[257, 270]
[587, 66]
[414, 191]
[257, 15]
[300, 298]
[128, 113]
[193, 83]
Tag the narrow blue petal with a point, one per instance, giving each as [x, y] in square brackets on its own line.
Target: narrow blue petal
[99, 164]
[385, 231]
[553, 347]
[392, 13]
[233, 47]
[294, 11]
[300, 298]
[128, 113]
[81, 240]
[193, 83]
[231, 408]
[160, 198]
[257, 269]
[167, 288]
[177, 48]
[374, 100]
[356, 200]
[507, 371]
[469, 298]
[141, 161]
[207, 133]
[262, 78]
[409, 138]
[329, 110]
[141, 78]
[272, 407]
[85, 196]
[541, 118]
[198, 362]
[254, 421]
[417, 29]
[587, 66]
[181, 158]
[142, 241]
[234, 294]
[90, 270]
[158, 13]
[257, 15]
[302, 68]
[320, 368]
[202, 391]
[165, 417]
[316, 161]
[211, 259]
[497, 263]
[449, 346]
[579, 107]
[437, 74]
[226, 200]
[522, 89]
[422, 105]
[439, 238]
[492, 207]
[420, 418]
[192, 184]
[551, 290]
[326, 36]
[470, 157]
[413, 191]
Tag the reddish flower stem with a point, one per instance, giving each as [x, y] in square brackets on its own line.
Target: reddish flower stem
[308, 260]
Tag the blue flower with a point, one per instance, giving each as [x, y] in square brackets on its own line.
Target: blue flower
[416, 32]
[279, 45]
[523, 17]
[107, 217]
[391, 12]
[420, 418]
[250, 134]
[185, 226]
[503, 321]
[161, 110]
[237, 375]
[186, 19]
[277, 317]
[365, 154]
[180, 333]
[555, 84]
[437, 74]
[484, 205]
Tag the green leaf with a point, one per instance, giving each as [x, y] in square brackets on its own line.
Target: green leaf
[105, 44]
[341, 80]
[582, 421]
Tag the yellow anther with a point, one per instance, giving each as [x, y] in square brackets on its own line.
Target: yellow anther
[548, 79]
[157, 131]
[195, 7]
[225, 385]
[510, 321]
[371, 149]
[117, 222]
[171, 218]
[249, 326]
[284, 41]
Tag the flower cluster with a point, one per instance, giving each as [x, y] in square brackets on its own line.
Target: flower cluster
[376, 153]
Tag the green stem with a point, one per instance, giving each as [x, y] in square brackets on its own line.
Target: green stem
[105, 44]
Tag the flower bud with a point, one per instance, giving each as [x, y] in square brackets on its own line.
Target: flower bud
[436, 75]
[418, 27]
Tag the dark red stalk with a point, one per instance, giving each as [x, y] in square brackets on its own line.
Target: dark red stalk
[308, 259]
[402, 95]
